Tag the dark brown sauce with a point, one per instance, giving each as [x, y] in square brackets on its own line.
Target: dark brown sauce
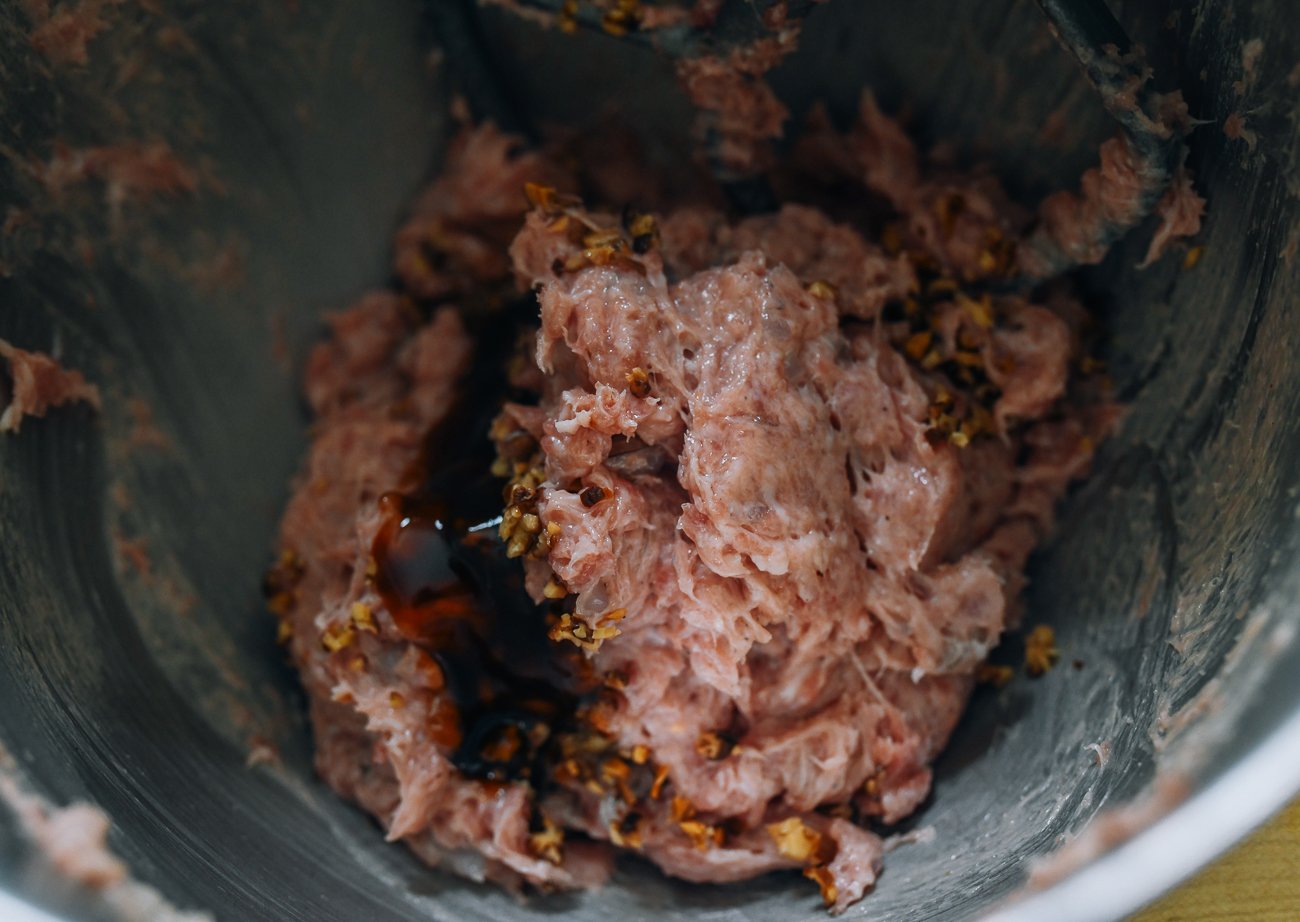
[444, 577]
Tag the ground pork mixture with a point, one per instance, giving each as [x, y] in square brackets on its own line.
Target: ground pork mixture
[34, 383]
[676, 533]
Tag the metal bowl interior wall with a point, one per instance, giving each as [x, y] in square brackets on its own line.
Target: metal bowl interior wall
[303, 130]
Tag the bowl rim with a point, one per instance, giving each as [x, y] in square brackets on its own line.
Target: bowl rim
[15, 910]
[1129, 876]
[1169, 851]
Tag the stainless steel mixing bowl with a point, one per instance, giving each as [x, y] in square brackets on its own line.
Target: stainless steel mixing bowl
[305, 127]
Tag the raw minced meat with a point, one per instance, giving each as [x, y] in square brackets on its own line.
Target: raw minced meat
[773, 482]
[37, 383]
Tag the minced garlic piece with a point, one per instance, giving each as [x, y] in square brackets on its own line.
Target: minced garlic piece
[826, 882]
[363, 617]
[581, 635]
[638, 384]
[1040, 651]
[681, 809]
[918, 344]
[702, 835]
[657, 786]
[540, 196]
[616, 772]
[548, 844]
[981, 311]
[822, 289]
[643, 229]
[625, 16]
[336, 638]
[626, 833]
[794, 840]
[713, 745]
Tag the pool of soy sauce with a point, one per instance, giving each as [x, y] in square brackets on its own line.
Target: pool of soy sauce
[443, 574]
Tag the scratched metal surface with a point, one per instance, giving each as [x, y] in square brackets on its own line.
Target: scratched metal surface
[1174, 577]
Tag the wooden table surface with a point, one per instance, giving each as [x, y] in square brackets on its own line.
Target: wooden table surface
[1258, 881]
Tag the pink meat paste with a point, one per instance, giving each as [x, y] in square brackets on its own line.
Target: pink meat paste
[769, 484]
[36, 384]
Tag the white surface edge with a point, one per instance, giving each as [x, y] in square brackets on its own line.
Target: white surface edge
[1178, 845]
[14, 910]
